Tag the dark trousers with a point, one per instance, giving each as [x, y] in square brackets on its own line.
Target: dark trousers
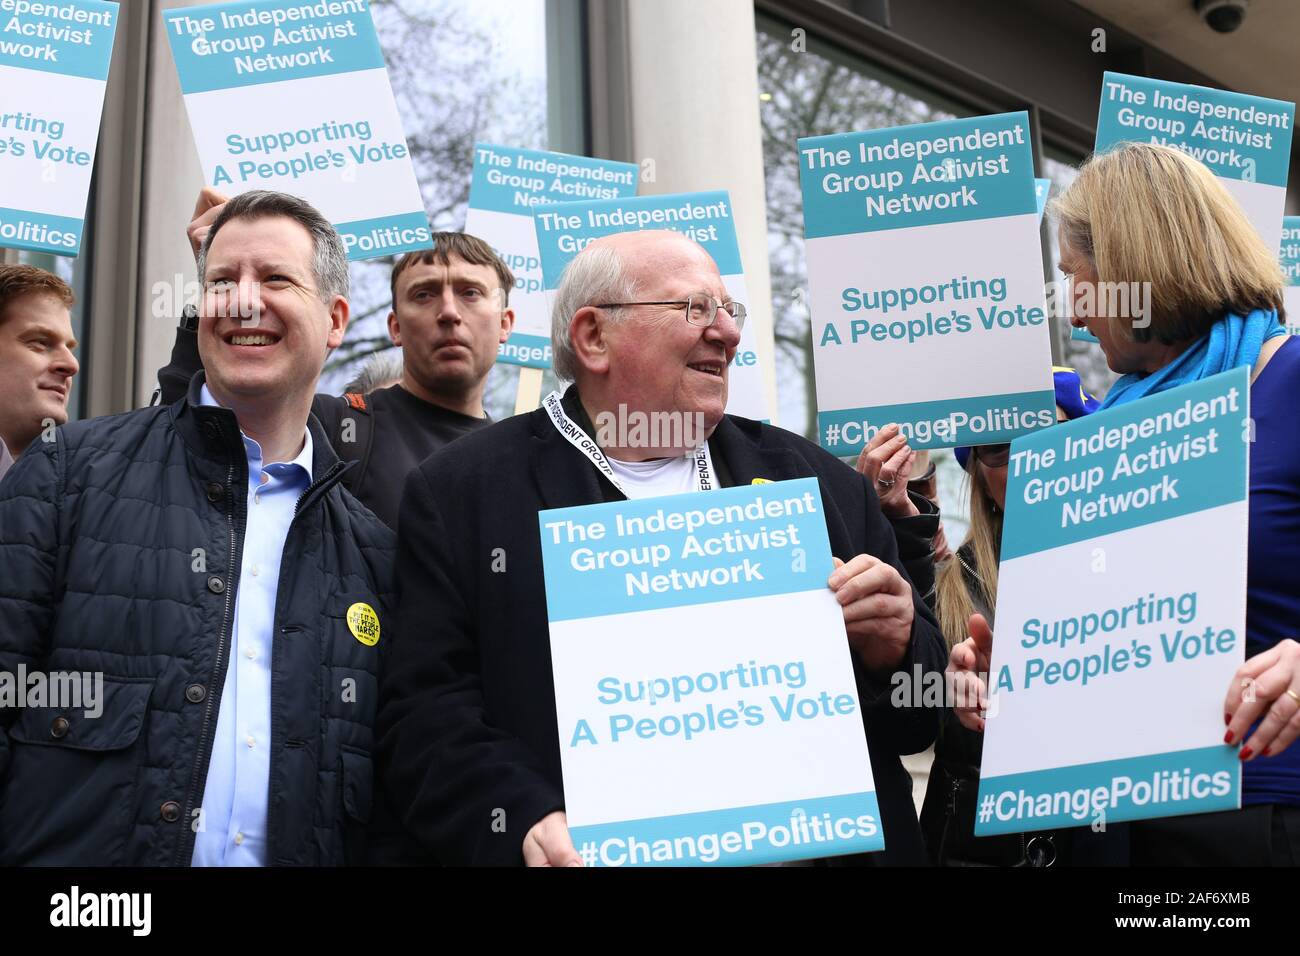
[1263, 835]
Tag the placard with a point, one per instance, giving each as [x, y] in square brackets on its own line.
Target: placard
[1244, 140]
[925, 283]
[1291, 270]
[707, 706]
[293, 96]
[1121, 614]
[54, 61]
[1041, 188]
[508, 185]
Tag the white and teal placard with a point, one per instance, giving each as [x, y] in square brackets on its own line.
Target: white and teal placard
[707, 706]
[1244, 140]
[1041, 188]
[925, 283]
[54, 59]
[1291, 269]
[706, 217]
[1121, 614]
[293, 95]
[507, 185]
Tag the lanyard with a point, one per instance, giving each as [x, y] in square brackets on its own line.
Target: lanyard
[583, 442]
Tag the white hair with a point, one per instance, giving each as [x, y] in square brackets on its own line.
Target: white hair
[380, 370]
[595, 275]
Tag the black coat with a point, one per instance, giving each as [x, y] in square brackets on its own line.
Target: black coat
[467, 739]
[120, 548]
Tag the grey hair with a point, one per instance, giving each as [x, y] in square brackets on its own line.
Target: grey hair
[593, 276]
[331, 262]
[379, 370]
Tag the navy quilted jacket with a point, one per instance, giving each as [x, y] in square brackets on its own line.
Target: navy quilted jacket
[120, 548]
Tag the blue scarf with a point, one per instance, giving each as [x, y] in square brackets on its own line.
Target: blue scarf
[1232, 341]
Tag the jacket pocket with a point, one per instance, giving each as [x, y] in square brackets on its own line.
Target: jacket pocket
[356, 771]
[69, 795]
[117, 724]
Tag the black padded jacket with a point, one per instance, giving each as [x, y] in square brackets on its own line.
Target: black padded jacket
[120, 549]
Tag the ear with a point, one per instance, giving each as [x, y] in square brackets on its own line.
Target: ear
[339, 315]
[587, 333]
[507, 324]
[394, 329]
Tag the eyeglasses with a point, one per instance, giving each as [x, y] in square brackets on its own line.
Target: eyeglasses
[701, 310]
[993, 456]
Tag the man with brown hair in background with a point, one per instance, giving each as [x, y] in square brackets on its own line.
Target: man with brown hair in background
[450, 313]
[36, 357]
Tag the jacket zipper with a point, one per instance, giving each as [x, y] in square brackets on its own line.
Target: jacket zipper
[214, 698]
[272, 764]
[338, 466]
[950, 812]
[217, 686]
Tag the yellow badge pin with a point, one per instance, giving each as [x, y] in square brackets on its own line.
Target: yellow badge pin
[363, 622]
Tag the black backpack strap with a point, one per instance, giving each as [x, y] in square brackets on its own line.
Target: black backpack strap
[349, 422]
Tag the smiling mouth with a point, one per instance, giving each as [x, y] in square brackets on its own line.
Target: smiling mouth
[61, 392]
[708, 368]
[256, 340]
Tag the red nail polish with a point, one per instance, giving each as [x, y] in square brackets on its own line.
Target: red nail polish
[1227, 738]
[1227, 719]
[1246, 753]
[1268, 751]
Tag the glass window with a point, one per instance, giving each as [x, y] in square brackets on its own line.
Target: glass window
[1062, 168]
[808, 93]
[462, 71]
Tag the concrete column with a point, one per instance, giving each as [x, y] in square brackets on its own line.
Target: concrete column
[173, 178]
[693, 95]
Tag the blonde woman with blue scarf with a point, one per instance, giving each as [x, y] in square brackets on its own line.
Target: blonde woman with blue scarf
[1156, 221]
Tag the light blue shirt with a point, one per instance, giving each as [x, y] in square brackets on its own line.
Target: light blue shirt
[235, 797]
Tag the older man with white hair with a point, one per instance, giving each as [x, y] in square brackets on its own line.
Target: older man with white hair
[468, 742]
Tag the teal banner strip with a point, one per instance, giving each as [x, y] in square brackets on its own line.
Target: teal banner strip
[683, 550]
[1170, 454]
[1134, 788]
[949, 171]
[739, 836]
[38, 232]
[530, 351]
[983, 420]
[706, 217]
[225, 46]
[1235, 135]
[71, 37]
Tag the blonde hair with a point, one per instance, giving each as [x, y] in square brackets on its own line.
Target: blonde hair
[1148, 213]
[953, 598]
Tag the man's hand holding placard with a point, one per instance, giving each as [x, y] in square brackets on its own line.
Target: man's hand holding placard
[878, 611]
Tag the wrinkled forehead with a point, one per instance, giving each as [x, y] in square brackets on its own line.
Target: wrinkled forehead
[265, 241]
[455, 269]
[671, 267]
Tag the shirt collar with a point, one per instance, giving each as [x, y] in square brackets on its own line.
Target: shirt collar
[6, 459]
[254, 450]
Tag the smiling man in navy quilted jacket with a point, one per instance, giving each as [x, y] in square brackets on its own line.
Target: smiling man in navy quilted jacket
[203, 561]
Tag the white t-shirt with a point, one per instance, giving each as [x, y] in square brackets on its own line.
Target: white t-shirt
[6, 459]
[661, 476]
